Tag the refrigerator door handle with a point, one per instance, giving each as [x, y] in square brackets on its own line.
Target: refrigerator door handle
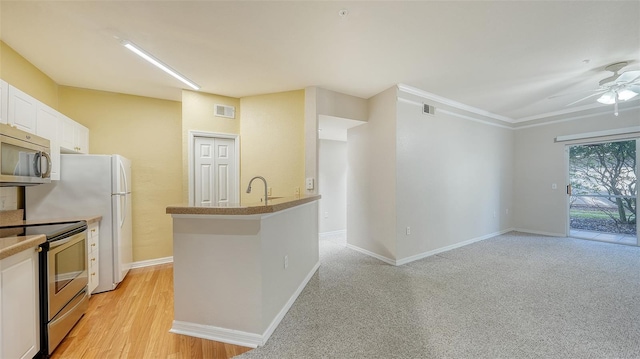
[123, 211]
[123, 173]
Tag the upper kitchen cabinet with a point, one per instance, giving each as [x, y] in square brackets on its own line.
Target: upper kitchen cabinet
[22, 110]
[4, 96]
[74, 138]
[47, 127]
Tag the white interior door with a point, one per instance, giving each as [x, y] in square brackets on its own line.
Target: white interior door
[216, 182]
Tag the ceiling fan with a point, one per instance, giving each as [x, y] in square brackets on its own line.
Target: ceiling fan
[617, 87]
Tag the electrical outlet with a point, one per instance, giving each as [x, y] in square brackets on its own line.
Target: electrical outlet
[269, 191]
[297, 191]
[326, 214]
[408, 231]
[495, 215]
[286, 262]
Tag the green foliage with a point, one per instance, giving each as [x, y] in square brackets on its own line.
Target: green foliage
[607, 169]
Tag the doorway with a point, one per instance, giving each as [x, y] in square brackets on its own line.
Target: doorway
[213, 169]
[603, 193]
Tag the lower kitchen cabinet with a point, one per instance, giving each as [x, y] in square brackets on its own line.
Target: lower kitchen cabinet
[93, 253]
[19, 310]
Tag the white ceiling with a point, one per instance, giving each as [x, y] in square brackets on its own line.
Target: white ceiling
[504, 57]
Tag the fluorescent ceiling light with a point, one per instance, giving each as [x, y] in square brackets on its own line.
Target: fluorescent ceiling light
[145, 55]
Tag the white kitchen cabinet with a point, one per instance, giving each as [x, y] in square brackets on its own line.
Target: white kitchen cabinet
[4, 97]
[93, 255]
[47, 127]
[19, 310]
[74, 138]
[22, 110]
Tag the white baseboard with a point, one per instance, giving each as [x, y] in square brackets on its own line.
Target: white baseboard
[210, 332]
[327, 235]
[152, 262]
[550, 234]
[416, 257]
[237, 337]
[276, 321]
[371, 254]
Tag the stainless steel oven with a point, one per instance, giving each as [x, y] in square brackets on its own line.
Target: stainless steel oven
[63, 280]
[24, 158]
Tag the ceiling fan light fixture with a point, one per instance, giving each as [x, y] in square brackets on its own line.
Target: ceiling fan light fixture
[626, 94]
[608, 98]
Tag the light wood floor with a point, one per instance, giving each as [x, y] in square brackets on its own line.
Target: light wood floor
[133, 321]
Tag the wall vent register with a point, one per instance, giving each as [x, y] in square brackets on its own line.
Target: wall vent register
[428, 109]
[225, 111]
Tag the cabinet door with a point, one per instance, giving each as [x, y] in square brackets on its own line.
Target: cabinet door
[66, 133]
[93, 250]
[22, 110]
[82, 138]
[47, 127]
[19, 311]
[4, 97]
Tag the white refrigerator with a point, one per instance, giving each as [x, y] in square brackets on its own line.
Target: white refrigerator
[92, 185]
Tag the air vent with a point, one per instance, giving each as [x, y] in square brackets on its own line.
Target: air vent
[225, 111]
[428, 109]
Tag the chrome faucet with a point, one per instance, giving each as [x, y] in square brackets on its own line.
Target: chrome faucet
[265, 187]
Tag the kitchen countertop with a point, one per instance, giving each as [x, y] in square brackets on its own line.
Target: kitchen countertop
[16, 244]
[273, 205]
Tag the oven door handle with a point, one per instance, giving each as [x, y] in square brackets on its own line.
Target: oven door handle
[60, 242]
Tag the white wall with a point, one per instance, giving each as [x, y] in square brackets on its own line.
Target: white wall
[371, 179]
[540, 162]
[319, 101]
[332, 182]
[454, 178]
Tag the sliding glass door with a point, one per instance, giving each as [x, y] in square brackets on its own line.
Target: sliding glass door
[603, 191]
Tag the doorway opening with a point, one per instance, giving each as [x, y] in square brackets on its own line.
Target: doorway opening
[603, 193]
[213, 169]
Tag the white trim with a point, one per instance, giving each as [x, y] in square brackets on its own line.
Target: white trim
[410, 102]
[242, 217]
[341, 233]
[271, 214]
[191, 140]
[572, 118]
[371, 254]
[542, 233]
[450, 247]
[449, 102]
[210, 332]
[238, 337]
[152, 262]
[276, 321]
[614, 132]
[474, 119]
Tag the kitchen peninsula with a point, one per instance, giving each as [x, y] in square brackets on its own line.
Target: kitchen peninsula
[238, 269]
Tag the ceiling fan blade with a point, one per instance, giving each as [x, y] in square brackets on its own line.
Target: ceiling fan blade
[572, 93]
[600, 92]
[628, 77]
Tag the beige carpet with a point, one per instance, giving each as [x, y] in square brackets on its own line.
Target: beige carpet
[512, 296]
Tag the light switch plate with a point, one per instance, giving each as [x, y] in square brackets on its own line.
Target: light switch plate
[309, 183]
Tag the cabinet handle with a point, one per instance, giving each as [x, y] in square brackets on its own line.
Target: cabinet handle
[39, 249]
[93, 230]
[93, 259]
[93, 244]
[94, 273]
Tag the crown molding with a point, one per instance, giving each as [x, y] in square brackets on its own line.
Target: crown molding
[445, 101]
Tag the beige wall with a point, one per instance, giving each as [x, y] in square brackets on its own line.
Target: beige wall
[19, 72]
[147, 131]
[198, 115]
[272, 143]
